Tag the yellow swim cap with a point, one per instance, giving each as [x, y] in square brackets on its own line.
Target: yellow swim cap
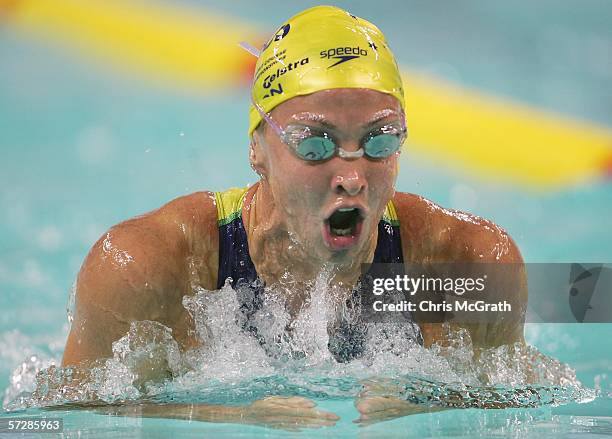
[321, 48]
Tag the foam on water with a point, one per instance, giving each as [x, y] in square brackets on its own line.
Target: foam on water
[289, 355]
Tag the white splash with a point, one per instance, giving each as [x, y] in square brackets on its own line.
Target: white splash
[286, 352]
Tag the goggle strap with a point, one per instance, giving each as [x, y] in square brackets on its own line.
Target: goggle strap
[276, 127]
[250, 48]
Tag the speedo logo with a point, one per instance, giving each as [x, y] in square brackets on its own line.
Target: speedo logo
[343, 54]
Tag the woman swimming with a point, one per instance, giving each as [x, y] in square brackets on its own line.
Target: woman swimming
[327, 124]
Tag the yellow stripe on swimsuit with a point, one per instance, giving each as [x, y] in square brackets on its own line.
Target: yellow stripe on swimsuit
[229, 204]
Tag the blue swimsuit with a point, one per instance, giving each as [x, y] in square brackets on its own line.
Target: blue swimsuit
[235, 263]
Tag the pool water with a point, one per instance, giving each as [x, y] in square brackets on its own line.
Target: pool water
[534, 423]
[84, 147]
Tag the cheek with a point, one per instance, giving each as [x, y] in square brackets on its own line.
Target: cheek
[305, 186]
[381, 182]
[296, 185]
[383, 174]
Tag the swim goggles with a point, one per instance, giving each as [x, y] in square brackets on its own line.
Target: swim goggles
[315, 145]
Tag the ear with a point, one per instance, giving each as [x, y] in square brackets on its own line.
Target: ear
[256, 154]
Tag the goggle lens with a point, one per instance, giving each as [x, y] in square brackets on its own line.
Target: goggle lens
[318, 148]
[315, 148]
[382, 145]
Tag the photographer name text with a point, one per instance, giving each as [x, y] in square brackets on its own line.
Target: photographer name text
[430, 306]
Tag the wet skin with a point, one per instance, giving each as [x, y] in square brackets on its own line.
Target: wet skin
[141, 268]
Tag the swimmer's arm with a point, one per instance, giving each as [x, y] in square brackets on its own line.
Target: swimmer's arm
[506, 282]
[476, 242]
[378, 402]
[129, 275]
[140, 270]
[437, 235]
[288, 413]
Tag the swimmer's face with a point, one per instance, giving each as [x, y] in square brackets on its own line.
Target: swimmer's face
[333, 207]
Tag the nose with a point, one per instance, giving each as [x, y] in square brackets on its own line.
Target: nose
[349, 180]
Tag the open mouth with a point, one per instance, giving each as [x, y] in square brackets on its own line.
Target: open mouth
[343, 227]
[343, 222]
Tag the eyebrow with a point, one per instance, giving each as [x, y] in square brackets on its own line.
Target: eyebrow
[320, 119]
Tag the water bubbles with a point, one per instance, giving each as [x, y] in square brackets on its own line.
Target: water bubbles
[71, 303]
[119, 257]
[254, 342]
[149, 352]
[600, 381]
[22, 382]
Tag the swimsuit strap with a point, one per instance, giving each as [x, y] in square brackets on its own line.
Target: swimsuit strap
[389, 245]
[234, 258]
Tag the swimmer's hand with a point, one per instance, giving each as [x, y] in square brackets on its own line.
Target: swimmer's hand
[374, 409]
[376, 403]
[287, 413]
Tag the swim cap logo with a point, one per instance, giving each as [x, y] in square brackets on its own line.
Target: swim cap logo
[269, 80]
[343, 54]
[279, 35]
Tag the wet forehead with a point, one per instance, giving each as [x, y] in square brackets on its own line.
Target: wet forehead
[342, 108]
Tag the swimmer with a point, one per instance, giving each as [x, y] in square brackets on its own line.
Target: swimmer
[327, 124]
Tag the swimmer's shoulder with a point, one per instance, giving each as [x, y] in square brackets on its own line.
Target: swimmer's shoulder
[166, 250]
[140, 269]
[431, 233]
[434, 233]
[192, 219]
